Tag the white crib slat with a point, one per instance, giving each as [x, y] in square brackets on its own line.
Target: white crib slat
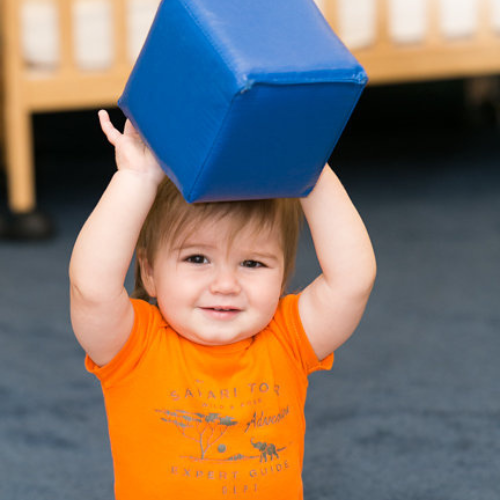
[495, 15]
[408, 20]
[140, 16]
[40, 32]
[93, 34]
[321, 4]
[459, 18]
[357, 22]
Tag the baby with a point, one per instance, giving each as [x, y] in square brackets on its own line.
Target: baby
[204, 372]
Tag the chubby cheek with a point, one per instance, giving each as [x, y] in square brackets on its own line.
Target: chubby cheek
[270, 306]
[173, 285]
[265, 300]
[176, 314]
[172, 298]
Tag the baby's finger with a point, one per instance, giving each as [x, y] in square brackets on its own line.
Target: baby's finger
[107, 127]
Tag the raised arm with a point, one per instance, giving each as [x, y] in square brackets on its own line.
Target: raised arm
[332, 305]
[101, 312]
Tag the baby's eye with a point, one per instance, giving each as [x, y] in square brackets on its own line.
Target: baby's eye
[196, 259]
[252, 264]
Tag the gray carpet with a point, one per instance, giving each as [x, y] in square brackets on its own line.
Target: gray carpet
[411, 409]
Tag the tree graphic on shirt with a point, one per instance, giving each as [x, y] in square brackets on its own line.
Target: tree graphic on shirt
[205, 430]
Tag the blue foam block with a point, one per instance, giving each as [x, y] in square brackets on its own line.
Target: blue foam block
[242, 99]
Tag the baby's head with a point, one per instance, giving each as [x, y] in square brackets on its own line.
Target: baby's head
[217, 270]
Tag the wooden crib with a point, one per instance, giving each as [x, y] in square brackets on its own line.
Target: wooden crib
[391, 55]
[411, 40]
[28, 89]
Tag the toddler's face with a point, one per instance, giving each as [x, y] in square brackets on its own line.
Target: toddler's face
[216, 292]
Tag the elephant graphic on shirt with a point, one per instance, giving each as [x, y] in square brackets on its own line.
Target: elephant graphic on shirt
[266, 449]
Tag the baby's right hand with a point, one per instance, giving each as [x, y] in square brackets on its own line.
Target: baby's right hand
[130, 150]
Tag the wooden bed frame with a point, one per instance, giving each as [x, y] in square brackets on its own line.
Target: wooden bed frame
[436, 57]
[27, 91]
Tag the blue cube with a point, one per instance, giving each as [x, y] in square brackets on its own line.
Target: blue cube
[242, 99]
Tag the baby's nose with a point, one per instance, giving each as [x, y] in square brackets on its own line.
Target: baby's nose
[225, 281]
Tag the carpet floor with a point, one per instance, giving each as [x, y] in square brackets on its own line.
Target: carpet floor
[411, 409]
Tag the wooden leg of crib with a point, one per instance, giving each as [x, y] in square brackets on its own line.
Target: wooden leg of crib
[482, 100]
[26, 222]
[20, 174]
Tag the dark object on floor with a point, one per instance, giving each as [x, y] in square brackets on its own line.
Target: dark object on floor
[34, 225]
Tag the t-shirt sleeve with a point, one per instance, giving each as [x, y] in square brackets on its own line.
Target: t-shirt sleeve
[147, 319]
[287, 323]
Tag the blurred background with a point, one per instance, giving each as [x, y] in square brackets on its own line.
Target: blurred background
[412, 407]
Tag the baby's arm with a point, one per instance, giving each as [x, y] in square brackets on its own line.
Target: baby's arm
[332, 305]
[101, 312]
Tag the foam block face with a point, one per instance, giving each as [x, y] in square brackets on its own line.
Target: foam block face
[242, 99]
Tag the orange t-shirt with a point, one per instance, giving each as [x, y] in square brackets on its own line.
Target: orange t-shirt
[189, 421]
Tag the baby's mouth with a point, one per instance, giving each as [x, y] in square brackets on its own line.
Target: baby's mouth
[221, 312]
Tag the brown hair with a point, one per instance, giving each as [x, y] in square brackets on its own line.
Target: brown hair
[171, 216]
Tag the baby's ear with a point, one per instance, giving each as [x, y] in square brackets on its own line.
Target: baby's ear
[147, 276]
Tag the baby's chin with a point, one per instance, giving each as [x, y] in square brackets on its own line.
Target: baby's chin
[215, 339]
